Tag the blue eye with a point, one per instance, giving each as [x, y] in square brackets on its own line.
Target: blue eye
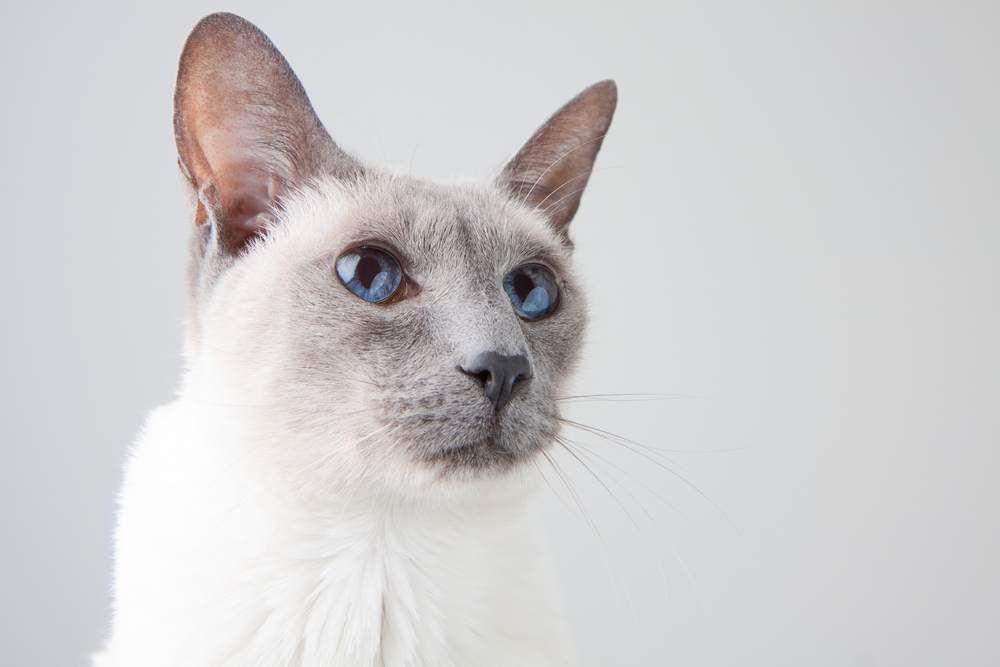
[371, 273]
[533, 291]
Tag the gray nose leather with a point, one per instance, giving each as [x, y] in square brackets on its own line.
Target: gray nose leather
[498, 373]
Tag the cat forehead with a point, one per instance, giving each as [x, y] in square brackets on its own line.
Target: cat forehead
[422, 220]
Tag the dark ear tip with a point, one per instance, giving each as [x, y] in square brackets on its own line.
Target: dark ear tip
[219, 24]
[609, 86]
[598, 100]
[606, 91]
[220, 19]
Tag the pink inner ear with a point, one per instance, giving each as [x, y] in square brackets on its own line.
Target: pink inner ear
[244, 128]
[242, 183]
[243, 202]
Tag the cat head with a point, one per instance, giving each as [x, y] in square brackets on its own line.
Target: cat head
[361, 326]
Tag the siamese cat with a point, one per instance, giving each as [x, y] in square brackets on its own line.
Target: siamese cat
[373, 362]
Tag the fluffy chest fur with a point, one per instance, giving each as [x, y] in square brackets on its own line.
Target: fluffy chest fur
[373, 368]
[248, 578]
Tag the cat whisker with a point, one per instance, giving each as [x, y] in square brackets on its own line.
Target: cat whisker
[662, 460]
[255, 406]
[584, 175]
[564, 440]
[556, 493]
[615, 398]
[413, 157]
[605, 552]
[333, 450]
[663, 578]
[358, 128]
[684, 516]
[555, 162]
[570, 194]
[643, 398]
[630, 444]
[658, 451]
[262, 362]
[354, 487]
[623, 509]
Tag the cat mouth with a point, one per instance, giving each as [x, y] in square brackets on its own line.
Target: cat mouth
[481, 454]
[489, 445]
[479, 441]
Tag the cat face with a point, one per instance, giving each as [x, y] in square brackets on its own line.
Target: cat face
[379, 329]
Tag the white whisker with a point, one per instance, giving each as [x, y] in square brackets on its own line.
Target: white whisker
[556, 161]
[605, 552]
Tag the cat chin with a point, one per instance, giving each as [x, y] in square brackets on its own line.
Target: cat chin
[446, 483]
[476, 469]
[478, 461]
[459, 482]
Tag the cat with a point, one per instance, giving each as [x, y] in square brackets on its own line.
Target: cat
[372, 367]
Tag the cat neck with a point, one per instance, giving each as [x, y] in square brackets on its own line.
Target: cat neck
[245, 569]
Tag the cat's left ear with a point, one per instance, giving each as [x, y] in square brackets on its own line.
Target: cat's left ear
[550, 171]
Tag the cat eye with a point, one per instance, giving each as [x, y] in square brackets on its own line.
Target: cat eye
[371, 273]
[533, 291]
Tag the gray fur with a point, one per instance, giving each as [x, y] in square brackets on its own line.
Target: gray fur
[328, 363]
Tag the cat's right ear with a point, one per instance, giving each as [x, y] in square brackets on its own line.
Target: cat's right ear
[246, 133]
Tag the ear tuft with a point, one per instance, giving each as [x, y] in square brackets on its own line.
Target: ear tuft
[551, 170]
[246, 133]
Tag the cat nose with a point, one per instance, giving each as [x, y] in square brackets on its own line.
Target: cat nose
[498, 373]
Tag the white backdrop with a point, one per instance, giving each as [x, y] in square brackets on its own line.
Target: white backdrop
[795, 230]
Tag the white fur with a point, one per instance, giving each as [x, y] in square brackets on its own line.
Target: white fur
[224, 556]
[216, 569]
[332, 486]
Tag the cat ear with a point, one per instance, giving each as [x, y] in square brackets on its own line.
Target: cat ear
[246, 133]
[550, 171]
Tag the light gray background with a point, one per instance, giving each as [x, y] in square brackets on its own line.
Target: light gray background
[796, 226]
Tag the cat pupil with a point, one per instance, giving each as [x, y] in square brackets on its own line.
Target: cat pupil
[523, 286]
[368, 268]
[532, 290]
